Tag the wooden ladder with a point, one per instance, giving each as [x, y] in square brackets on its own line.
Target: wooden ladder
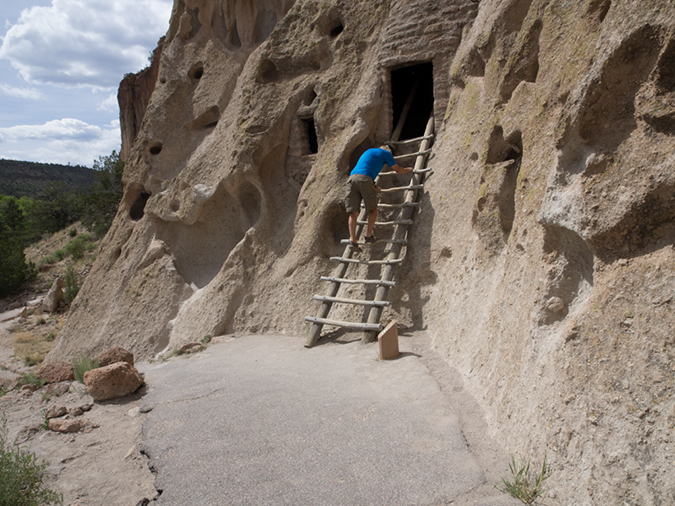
[392, 255]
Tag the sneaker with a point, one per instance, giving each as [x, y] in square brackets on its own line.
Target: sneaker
[354, 246]
[370, 240]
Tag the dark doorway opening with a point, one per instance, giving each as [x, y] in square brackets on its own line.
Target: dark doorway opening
[403, 81]
[311, 136]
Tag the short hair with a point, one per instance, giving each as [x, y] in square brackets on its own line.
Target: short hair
[389, 147]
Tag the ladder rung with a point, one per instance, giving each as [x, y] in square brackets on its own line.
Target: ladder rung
[410, 141]
[367, 262]
[410, 155]
[395, 206]
[359, 281]
[385, 241]
[325, 298]
[387, 223]
[347, 325]
[400, 188]
[393, 172]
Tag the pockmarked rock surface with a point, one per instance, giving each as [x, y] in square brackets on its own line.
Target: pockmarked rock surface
[542, 259]
[115, 354]
[56, 372]
[112, 381]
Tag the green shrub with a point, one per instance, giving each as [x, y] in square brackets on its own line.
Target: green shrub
[30, 378]
[72, 232]
[59, 254]
[14, 270]
[77, 246]
[523, 485]
[72, 285]
[21, 476]
[82, 364]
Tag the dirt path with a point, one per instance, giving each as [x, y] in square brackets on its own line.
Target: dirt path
[437, 421]
[102, 465]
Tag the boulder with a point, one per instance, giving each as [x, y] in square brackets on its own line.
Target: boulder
[56, 411]
[57, 389]
[113, 355]
[68, 425]
[190, 348]
[55, 297]
[56, 372]
[112, 381]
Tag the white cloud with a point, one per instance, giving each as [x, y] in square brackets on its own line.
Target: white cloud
[59, 141]
[85, 42]
[109, 104]
[27, 93]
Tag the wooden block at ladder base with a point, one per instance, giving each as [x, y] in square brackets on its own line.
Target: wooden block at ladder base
[388, 340]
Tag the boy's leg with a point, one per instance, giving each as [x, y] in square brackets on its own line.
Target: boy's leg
[352, 225]
[372, 217]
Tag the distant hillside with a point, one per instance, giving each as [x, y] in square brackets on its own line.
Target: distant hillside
[30, 178]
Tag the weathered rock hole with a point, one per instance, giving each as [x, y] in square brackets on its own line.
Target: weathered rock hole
[265, 25]
[665, 80]
[251, 204]
[208, 119]
[312, 140]
[475, 65]
[190, 24]
[599, 9]
[337, 30]
[155, 148]
[267, 72]
[174, 206]
[403, 80]
[334, 230]
[648, 224]
[571, 275]
[162, 80]
[607, 117]
[663, 124]
[525, 66]
[137, 210]
[310, 97]
[515, 15]
[501, 149]
[197, 71]
[200, 249]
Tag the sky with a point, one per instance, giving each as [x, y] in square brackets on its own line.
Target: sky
[61, 62]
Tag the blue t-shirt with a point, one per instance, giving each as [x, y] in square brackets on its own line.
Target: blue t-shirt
[372, 162]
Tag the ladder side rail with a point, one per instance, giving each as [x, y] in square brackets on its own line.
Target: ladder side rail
[400, 233]
[340, 271]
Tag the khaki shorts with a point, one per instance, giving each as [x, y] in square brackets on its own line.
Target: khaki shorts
[360, 187]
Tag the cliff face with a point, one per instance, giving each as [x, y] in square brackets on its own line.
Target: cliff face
[541, 260]
[133, 97]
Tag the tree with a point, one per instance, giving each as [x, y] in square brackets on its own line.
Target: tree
[14, 271]
[56, 208]
[100, 205]
[11, 214]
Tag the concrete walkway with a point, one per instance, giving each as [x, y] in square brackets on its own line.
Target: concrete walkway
[262, 420]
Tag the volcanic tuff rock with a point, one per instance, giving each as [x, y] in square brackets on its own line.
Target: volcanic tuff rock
[542, 257]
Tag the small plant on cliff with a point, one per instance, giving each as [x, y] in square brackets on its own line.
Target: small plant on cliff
[82, 364]
[21, 476]
[523, 485]
[29, 378]
[72, 285]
